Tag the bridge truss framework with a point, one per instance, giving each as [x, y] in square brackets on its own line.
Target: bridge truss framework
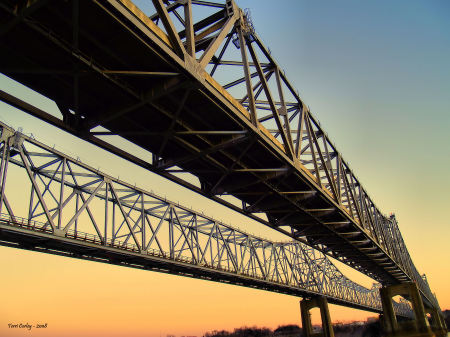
[77, 211]
[175, 94]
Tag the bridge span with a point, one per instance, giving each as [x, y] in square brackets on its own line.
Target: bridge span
[207, 99]
[77, 211]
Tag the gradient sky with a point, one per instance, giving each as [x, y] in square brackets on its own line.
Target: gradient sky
[377, 76]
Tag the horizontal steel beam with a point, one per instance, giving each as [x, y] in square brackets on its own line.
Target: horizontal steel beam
[75, 210]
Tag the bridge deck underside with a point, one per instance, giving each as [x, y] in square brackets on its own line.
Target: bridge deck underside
[47, 243]
[163, 113]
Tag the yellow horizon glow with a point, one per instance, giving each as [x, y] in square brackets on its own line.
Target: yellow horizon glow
[79, 297]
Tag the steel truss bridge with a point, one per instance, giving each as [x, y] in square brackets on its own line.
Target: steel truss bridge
[74, 210]
[193, 84]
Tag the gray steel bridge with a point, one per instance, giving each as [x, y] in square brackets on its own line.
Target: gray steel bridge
[209, 101]
[77, 211]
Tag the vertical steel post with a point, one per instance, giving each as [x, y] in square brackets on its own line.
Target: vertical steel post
[77, 200]
[142, 222]
[300, 127]
[106, 214]
[3, 170]
[113, 222]
[61, 192]
[248, 79]
[31, 203]
[189, 28]
[283, 105]
[171, 239]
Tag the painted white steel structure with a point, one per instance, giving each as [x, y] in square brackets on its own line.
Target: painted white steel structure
[78, 211]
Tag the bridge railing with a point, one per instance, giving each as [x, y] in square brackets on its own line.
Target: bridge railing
[70, 200]
[362, 296]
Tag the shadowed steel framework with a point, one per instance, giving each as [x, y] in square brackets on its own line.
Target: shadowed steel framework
[193, 84]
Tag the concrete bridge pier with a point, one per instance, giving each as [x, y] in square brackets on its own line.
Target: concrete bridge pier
[316, 302]
[438, 325]
[419, 326]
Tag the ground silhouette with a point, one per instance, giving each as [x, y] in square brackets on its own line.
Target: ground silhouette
[371, 328]
[354, 329]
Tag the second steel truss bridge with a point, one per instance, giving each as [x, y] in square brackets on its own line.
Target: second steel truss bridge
[77, 211]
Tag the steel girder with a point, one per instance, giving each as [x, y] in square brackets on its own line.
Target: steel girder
[186, 91]
[77, 211]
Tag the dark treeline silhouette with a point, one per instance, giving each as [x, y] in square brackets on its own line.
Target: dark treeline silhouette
[282, 331]
[354, 329]
[242, 332]
[368, 329]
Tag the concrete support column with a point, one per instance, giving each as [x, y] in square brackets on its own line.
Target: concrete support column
[442, 318]
[444, 327]
[438, 325]
[419, 327]
[317, 302]
[389, 318]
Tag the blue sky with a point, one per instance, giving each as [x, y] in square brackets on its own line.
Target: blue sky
[377, 76]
